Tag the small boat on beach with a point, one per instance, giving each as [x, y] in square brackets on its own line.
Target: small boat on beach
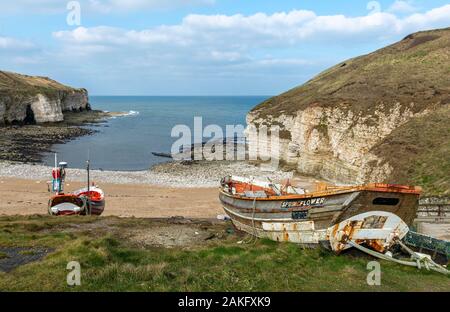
[80, 202]
[89, 200]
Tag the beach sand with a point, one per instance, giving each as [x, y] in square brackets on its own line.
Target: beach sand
[168, 190]
[30, 196]
[25, 197]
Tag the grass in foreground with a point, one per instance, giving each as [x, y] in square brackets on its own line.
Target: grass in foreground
[111, 261]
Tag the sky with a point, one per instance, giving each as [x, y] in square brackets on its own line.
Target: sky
[200, 47]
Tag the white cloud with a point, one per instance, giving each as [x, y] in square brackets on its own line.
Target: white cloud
[226, 56]
[400, 6]
[239, 32]
[27, 60]
[256, 53]
[12, 44]
[101, 34]
[236, 46]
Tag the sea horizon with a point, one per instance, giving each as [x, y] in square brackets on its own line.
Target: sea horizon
[245, 95]
[126, 143]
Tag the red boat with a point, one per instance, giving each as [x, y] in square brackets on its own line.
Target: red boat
[81, 202]
[86, 201]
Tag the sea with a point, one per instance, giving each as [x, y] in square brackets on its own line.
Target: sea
[126, 143]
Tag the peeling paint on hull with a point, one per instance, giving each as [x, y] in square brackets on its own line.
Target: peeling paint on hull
[305, 218]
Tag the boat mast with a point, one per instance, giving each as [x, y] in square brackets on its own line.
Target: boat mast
[88, 186]
[55, 169]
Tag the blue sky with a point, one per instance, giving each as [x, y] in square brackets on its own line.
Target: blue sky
[200, 47]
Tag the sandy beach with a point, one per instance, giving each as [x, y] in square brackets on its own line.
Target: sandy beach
[25, 197]
[168, 190]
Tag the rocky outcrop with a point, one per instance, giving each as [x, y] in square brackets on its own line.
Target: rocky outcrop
[333, 126]
[27, 99]
[333, 143]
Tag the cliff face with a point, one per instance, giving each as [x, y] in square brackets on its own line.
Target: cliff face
[340, 124]
[26, 99]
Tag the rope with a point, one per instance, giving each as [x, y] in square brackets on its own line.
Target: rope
[418, 260]
[84, 199]
[253, 217]
[429, 263]
[253, 238]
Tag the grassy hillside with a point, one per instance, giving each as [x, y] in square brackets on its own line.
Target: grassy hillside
[413, 73]
[414, 70]
[420, 152]
[123, 255]
[20, 85]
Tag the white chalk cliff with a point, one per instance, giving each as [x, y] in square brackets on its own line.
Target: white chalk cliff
[28, 99]
[333, 126]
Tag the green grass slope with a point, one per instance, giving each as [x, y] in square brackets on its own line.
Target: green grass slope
[18, 85]
[109, 262]
[414, 70]
[420, 152]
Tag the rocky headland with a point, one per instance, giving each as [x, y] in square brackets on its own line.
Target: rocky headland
[380, 117]
[37, 112]
[32, 99]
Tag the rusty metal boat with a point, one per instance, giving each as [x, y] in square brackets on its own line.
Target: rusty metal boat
[264, 208]
[372, 218]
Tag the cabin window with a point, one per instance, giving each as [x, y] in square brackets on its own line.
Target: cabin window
[385, 201]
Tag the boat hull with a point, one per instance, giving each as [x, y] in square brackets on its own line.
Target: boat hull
[80, 202]
[308, 216]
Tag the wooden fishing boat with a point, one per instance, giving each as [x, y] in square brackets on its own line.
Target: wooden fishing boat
[66, 204]
[287, 213]
[86, 201]
[81, 202]
[373, 218]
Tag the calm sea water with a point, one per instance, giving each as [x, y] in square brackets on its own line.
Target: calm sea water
[127, 143]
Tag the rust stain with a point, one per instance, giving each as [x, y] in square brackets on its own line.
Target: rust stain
[375, 244]
[335, 228]
[286, 236]
[328, 191]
